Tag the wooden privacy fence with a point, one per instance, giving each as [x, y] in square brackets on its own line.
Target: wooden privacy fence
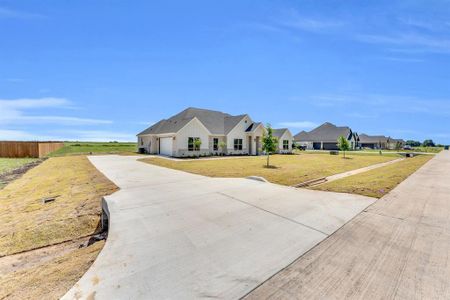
[28, 149]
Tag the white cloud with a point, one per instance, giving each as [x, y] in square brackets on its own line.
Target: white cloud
[10, 13]
[68, 135]
[54, 120]
[99, 136]
[25, 103]
[14, 112]
[11, 135]
[424, 42]
[308, 24]
[14, 80]
[402, 59]
[294, 20]
[299, 124]
[417, 23]
[380, 103]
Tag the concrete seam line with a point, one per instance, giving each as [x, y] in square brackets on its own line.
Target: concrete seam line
[275, 214]
[383, 215]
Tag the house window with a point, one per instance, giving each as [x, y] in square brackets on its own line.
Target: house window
[215, 144]
[142, 141]
[191, 145]
[285, 144]
[237, 144]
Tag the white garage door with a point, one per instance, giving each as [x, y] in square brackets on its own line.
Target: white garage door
[166, 146]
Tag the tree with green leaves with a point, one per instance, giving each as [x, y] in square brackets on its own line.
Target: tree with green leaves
[428, 143]
[343, 144]
[413, 143]
[222, 145]
[197, 144]
[269, 142]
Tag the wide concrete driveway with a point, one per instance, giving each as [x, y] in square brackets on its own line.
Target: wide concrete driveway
[175, 235]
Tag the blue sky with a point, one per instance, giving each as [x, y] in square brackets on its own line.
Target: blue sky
[105, 70]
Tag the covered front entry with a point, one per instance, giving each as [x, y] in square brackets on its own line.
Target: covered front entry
[166, 146]
[254, 145]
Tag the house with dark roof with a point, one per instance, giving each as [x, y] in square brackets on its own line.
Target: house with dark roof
[325, 137]
[215, 131]
[396, 144]
[379, 142]
[373, 141]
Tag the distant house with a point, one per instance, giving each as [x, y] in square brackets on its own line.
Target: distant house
[395, 144]
[325, 137]
[380, 142]
[176, 135]
[285, 139]
[373, 141]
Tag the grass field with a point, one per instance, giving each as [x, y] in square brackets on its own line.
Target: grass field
[288, 169]
[428, 149]
[376, 183]
[27, 223]
[9, 164]
[415, 149]
[76, 148]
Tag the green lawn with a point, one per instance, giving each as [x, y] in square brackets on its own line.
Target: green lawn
[9, 164]
[288, 169]
[376, 183]
[76, 148]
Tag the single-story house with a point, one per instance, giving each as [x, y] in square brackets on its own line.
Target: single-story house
[396, 144]
[380, 142]
[285, 140]
[373, 141]
[325, 137]
[217, 133]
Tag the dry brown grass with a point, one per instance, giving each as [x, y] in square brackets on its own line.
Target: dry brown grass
[51, 279]
[287, 169]
[376, 183]
[26, 223]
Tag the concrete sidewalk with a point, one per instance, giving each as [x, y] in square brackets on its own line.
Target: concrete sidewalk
[175, 235]
[361, 170]
[398, 249]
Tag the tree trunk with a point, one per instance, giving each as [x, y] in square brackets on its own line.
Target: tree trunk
[268, 155]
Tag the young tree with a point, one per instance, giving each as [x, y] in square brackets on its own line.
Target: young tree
[197, 144]
[269, 142]
[222, 145]
[343, 144]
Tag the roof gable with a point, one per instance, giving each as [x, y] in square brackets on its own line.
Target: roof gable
[327, 132]
[368, 139]
[279, 132]
[216, 122]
